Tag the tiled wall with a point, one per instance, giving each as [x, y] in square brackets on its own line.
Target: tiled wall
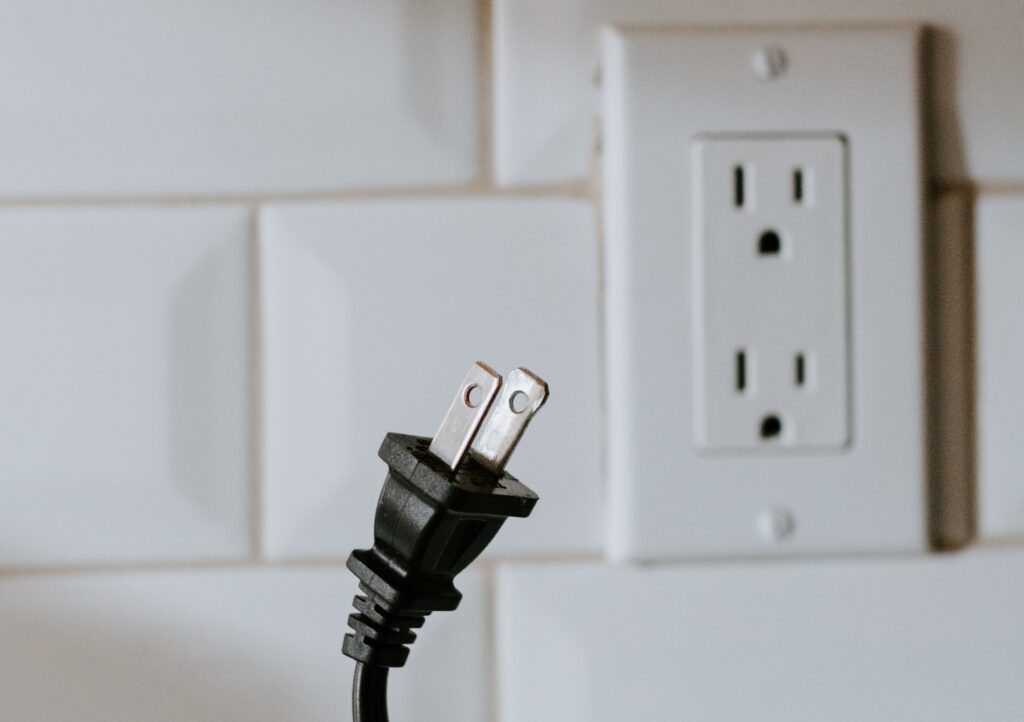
[240, 241]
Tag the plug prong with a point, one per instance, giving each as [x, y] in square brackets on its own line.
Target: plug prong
[467, 411]
[522, 394]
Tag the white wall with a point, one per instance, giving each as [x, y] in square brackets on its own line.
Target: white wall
[239, 241]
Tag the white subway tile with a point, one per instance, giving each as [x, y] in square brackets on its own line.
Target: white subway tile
[124, 384]
[925, 638]
[546, 58]
[229, 97]
[372, 314]
[244, 645]
[999, 263]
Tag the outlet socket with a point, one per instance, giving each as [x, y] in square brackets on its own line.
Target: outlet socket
[770, 292]
[847, 471]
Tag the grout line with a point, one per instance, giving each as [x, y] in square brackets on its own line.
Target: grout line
[485, 92]
[542, 558]
[976, 188]
[326, 562]
[596, 186]
[492, 691]
[256, 470]
[198, 565]
[1001, 542]
[573, 189]
[490, 562]
[586, 188]
[582, 188]
[485, 165]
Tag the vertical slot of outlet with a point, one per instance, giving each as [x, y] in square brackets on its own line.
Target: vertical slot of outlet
[739, 186]
[741, 371]
[798, 186]
[804, 371]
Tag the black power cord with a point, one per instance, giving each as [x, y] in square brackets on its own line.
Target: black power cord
[443, 501]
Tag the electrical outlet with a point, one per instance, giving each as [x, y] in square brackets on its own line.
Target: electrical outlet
[764, 220]
[769, 279]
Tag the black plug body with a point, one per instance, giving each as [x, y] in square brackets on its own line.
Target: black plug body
[443, 501]
[431, 522]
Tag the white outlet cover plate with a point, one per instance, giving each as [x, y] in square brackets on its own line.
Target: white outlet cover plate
[663, 88]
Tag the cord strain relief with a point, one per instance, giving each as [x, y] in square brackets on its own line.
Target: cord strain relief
[380, 635]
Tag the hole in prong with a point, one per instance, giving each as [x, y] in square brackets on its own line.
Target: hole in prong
[741, 370]
[473, 395]
[517, 402]
[771, 427]
[738, 186]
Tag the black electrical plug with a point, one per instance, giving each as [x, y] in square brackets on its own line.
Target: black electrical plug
[443, 501]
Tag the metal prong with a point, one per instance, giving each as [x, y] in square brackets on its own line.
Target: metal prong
[468, 409]
[521, 396]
